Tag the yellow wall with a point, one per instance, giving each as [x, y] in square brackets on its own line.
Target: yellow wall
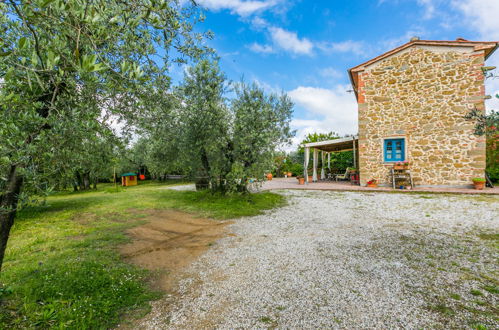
[128, 181]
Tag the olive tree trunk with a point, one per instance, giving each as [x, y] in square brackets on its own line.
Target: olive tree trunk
[8, 207]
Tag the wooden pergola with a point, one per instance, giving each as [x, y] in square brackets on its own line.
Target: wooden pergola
[326, 147]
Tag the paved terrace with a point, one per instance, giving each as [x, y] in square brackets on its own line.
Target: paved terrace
[292, 183]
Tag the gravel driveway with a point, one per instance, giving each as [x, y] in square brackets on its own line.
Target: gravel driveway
[347, 260]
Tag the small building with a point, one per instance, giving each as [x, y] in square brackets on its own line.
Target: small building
[129, 179]
[412, 101]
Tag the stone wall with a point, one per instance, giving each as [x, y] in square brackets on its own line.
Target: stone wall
[422, 95]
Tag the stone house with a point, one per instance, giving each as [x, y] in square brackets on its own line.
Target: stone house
[411, 106]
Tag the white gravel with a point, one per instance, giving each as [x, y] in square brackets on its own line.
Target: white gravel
[181, 187]
[343, 260]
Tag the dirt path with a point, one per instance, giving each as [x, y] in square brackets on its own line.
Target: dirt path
[169, 242]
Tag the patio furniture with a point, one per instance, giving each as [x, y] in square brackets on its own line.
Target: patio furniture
[489, 181]
[401, 175]
[343, 176]
[354, 178]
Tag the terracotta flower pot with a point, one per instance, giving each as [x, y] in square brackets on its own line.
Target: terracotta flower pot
[269, 176]
[479, 185]
[310, 178]
[301, 181]
[399, 167]
[372, 185]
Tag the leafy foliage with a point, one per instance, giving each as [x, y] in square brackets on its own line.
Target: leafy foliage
[70, 68]
[228, 143]
[317, 137]
[488, 125]
[484, 123]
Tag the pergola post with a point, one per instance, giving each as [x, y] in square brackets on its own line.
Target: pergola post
[314, 177]
[323, 173]
[354, 154]
[305, 164]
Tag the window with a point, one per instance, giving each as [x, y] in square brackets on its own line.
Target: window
[394, 150]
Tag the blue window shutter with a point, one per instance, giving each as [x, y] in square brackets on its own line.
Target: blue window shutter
[394, 150]
[388, 150]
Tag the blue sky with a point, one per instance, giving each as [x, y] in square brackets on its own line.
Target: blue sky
[305, 47]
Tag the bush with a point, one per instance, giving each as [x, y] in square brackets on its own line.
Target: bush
[296, 169]
[493, 174]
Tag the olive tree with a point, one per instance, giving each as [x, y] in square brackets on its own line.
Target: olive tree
[228, 142]
[260, 126]
[204, 120]
[66, 65]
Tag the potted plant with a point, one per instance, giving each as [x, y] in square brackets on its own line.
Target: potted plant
[269, 176]
[373, 183]
[479, 183]
[400, 165]
[310, 176]
[301, 179]
[290, 174]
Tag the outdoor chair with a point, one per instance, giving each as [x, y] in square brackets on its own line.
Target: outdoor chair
[344, 176]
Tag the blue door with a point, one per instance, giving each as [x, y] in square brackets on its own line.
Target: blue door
[394, 150]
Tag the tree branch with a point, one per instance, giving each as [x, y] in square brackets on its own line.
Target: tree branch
[37, 43]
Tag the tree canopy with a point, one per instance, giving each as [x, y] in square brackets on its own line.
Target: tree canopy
[226, 143]
[86, 88]
[66, 68]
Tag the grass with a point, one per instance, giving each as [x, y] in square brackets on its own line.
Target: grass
[476, 292]
[441, 308]
[62, 268]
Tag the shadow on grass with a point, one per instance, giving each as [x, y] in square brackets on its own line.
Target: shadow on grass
[62, 268]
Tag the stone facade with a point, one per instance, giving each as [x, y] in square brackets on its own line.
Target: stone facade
[421, 94]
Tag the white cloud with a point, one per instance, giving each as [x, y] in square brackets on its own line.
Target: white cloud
[482, 15]
[348, 46]
[268, 88]
[259, 23]
[281, 39]
[257, 48]
[492, 84]
[336, 110]
[391, 43]
[239, 7]
[429, 8]
[331, 73]
[289, 41]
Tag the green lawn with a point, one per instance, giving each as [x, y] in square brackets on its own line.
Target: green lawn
[62, 268]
